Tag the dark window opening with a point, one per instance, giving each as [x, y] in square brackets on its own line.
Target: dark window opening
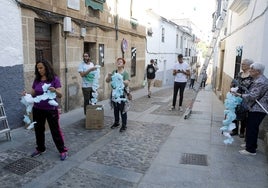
[93, 13]
[163, 35]
[90, 47]
[186, 52]
[101, 55]
[238, 59]
[43, 49]
[133, 61]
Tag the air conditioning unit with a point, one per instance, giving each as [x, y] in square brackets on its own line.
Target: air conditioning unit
[67, 24]
[83, 32]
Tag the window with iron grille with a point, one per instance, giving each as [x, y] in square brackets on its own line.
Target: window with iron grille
[163, 35]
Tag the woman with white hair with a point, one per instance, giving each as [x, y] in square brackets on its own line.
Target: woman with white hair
[243, 80]
[257, 102]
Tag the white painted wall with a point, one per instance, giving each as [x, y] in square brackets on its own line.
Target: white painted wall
[11, 52]
[165, 52]
[249, 30]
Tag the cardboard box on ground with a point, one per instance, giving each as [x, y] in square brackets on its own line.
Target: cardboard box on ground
[157, 83]
[94, 117]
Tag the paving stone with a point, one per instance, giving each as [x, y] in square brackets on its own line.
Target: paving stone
[78, 177]
[134, 149]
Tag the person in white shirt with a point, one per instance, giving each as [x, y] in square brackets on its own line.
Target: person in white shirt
[181, 71]
[85, 68]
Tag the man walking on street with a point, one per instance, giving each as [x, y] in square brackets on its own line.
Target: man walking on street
[150, 74]
[181, 71]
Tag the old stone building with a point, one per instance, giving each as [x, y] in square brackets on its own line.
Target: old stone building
[61, 30]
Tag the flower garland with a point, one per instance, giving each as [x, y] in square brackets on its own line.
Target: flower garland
[95, 85]
[29, 101]
[230, 104]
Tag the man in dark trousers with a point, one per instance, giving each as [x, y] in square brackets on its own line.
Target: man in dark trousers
[150, 74]
[181, 71]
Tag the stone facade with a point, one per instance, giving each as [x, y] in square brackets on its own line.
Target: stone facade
[66, 48]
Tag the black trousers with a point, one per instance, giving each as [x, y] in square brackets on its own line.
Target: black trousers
[52, 117]
[119, 109]
[203, 83]
[178, 86]
[252, 130]
[192, 83]
[243, 125]
[87, 93]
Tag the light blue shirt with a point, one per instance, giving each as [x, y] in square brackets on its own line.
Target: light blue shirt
[83, 67]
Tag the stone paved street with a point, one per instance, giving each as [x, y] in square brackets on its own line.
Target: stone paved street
[107, 158]
[133, 150]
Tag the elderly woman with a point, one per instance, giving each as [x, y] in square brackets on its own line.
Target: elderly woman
[243, 80]
[257, 94]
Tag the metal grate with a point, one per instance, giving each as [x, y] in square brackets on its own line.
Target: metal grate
[194, 159]
[22, 166]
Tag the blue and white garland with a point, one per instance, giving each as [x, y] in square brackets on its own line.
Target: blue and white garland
[118, 86]
[29, 101]
[95, 85]
[230, 104]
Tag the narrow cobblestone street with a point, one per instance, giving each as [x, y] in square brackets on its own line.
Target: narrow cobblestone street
[107, 158]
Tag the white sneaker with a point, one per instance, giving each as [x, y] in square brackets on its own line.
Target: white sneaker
[180, 109]
[245, 152]
[171, 108]
[243, 145]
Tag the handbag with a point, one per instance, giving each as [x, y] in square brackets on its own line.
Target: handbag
[129, 95]
[144, 83]
[241, 110]
[126, 106]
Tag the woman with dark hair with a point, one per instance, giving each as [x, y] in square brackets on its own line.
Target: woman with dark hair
[44, 110]
[257, 102]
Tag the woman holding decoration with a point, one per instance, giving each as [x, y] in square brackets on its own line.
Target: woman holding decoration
[119, 79]
[46, 84]
[242, 81]
[257, 102]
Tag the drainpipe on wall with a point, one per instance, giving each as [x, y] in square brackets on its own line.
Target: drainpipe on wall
[66, 74]
[165, 72]
[116, 21]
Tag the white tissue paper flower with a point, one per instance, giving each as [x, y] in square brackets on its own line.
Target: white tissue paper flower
[45, 87]
[31, 125]
[234, 89]
[26, 119]
[53, 103]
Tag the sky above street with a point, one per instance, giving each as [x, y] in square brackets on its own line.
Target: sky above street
[199, 11]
